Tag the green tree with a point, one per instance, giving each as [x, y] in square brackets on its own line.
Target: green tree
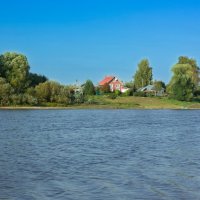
[15, 69]
[105, 88]
[5, 92]
[36, 79]
[1, 68]
[43, 92]
[143, 75]
[195, 68]
[51, 91]
[158, 85]
[181, 86]
[131, 87]
[89, 88]
[17, 99]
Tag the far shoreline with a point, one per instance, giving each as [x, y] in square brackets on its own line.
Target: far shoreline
[105, 103]
[89, 108]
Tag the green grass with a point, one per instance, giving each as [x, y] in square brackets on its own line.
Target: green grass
[141, 103]
[105, 102]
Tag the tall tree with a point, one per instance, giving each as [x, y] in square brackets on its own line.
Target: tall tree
[181, 86]
[5, 92]
[36, 79]
[89, 88]
[15, 69]
[143, 75]
[195, 68]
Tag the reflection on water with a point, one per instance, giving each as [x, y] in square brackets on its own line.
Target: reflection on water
[99, 154]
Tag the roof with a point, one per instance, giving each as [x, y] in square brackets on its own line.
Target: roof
[107, 79]
[148, 88]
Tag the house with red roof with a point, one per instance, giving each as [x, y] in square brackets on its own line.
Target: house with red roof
[114, 83]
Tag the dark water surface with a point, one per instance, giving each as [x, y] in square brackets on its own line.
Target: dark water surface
[99, 154]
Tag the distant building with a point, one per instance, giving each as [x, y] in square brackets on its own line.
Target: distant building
[114, 83]
[151, 89]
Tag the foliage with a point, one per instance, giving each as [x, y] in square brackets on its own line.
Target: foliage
[43, 92]
[20, 87]
[91, 100]
[79, 98]
[139, 94]
[117, 92]
[181, 86]
[89, 88]
[71, 97]
[112, 96]
[5, 92]
[128, 93]
[51, 91]
[105, 88]
[194, 68]
[143, 75]
[15, 69]
[159, 85]
[197, 92]
[36, 79]
[131, 86]
[97, 91]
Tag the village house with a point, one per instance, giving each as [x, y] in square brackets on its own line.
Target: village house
[152, 90]
[114, 83]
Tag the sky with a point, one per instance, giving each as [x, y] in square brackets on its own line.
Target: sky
[69, 40]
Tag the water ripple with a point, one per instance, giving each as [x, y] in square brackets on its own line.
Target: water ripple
[99, 154]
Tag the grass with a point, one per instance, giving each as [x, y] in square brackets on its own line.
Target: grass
[144, 103]
[105, 102]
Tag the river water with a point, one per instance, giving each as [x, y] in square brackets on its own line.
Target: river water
[99, 154]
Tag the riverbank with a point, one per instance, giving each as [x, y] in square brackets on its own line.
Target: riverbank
[104, 102]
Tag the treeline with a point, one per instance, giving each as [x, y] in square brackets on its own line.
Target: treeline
[19, 86]
[184, 84]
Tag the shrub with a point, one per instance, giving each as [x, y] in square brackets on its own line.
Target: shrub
[91, 101]
[117, 92]
[89, 88]
[128, 93]
[139, 94]
[112, 96]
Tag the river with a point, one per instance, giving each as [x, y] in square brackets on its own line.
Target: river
[99, 154]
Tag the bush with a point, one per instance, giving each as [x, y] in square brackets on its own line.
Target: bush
[91, 101]
[112, 96]
[139, 94]
[89, 88]
[79, 98]
[117, 92]
[150, 94]
[29, 99]
[16, 99]
[128, 93]
[197, 92]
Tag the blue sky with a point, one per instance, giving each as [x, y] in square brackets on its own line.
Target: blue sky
[69, 40]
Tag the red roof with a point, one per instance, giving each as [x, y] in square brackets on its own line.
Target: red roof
[107, 79]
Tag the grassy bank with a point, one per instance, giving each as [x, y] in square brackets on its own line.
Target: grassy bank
[104, 102]
[141, 103]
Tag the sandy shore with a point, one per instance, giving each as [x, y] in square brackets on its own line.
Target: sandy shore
[33, 108]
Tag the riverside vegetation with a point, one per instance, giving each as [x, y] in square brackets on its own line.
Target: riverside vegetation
[20, 87]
